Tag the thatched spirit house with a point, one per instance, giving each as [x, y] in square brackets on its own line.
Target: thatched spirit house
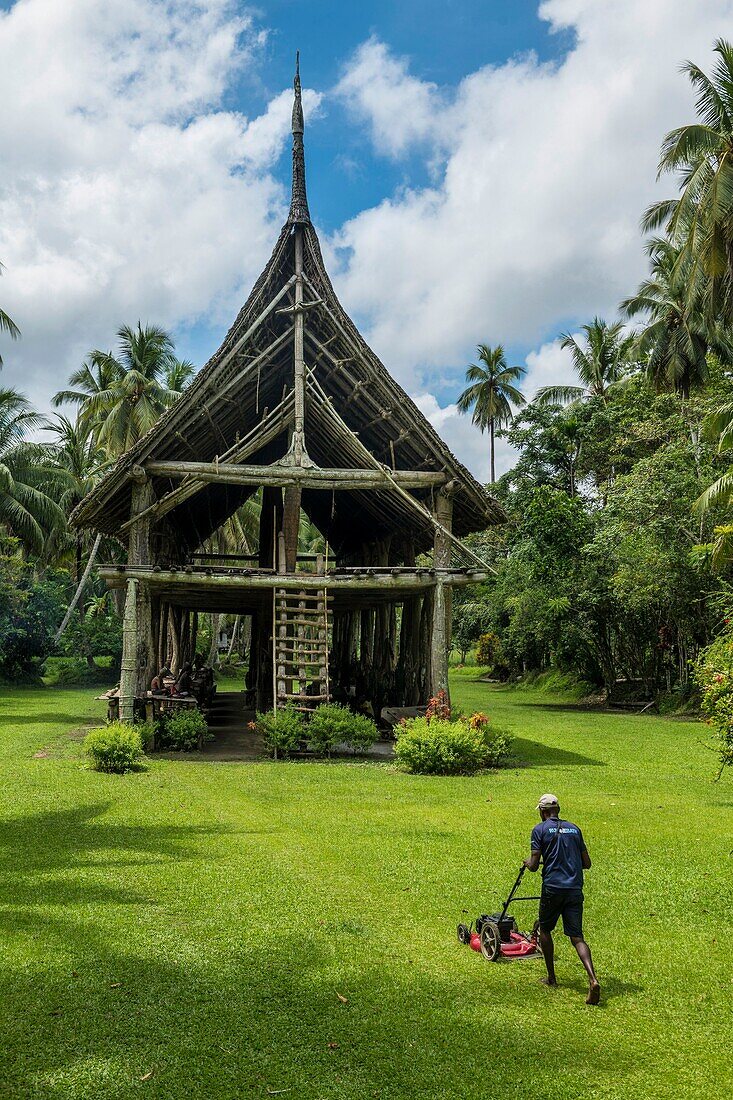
[294, 403]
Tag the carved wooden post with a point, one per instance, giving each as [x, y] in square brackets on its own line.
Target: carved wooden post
[128, 676]
[443, 608]
[163, 636]
[139, 553]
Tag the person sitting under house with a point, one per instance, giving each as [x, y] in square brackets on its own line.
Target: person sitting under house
[564, 856]
[183, 684]
[158, 684]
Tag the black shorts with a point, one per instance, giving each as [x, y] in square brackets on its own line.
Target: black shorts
[567, 904]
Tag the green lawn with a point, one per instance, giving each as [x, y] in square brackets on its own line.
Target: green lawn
[185, 932]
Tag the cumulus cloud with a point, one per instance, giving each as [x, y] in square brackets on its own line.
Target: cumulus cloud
[127, 190]
[545, 169]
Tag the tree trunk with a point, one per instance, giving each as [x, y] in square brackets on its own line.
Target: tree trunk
[214, 648]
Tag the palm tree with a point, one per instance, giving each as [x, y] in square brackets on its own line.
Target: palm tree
[179, 374]
[76, 452]
[600, 362]
[491, 393]
[122, 396]
[27, 475]
[677, 336]
[7, 325]
[700, 220]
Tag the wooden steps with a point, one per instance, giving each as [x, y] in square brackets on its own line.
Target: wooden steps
[300, 648]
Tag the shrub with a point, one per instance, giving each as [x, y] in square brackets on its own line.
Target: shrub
[115, 748]
[332, 724]
[282, 730]
[363, 733]
[328, 726]
[714, 676]
[441, 747]
[182, 732]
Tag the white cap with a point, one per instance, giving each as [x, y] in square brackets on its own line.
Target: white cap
[548, 802]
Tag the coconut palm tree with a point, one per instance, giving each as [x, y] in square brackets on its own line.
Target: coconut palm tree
[122, 396]
[677, 336]
[600, 361]
[491, 393]
[28, 478]
[7, 325]
[77, 454]
[700, 220]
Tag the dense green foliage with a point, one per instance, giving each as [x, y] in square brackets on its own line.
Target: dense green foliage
[282, 731]
[115, 748]
[602, 569]
[181, 732]
[444, 746]
[714, 675]
[331, 724]
[193, 925]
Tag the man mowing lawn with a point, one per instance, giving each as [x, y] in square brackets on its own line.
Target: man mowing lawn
[564, 856]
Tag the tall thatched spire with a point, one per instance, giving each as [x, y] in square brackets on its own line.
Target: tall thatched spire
[299, 213]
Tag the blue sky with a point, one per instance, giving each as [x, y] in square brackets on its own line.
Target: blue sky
[476, 170]
[445, 40]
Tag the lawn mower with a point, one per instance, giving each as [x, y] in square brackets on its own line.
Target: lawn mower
[496, 935]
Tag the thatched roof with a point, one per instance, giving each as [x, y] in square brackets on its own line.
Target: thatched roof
[239, 408]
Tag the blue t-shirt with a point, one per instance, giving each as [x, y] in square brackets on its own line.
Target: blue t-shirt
[561, 844]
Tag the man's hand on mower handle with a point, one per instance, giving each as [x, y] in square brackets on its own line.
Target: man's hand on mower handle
[533, 862]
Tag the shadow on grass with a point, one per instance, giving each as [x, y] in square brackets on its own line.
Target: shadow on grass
[56, 718]
[533, 754]
[72, 843]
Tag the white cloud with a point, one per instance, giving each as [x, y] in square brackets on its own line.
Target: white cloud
[375, 83]
[550, 365]
[546, 170]
[127, 190]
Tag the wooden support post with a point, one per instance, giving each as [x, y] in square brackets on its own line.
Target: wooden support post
[163, 635]
[291, 525]
[128, 677]
[443, 609]
[271, 518]
[139, 553]
[425, 672]
[174, 632]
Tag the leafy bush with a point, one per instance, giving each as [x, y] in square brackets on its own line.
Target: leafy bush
[714, 676]
[332, 724]
[438, 746]
[115, 748]
[282, 730]
[182, 732]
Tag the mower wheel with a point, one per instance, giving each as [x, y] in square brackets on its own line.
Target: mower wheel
[464, 934]
[490, 941]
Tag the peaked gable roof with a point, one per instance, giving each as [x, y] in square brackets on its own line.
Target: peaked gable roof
[239, 408]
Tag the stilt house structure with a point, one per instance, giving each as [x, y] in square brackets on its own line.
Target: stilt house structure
[295, 404]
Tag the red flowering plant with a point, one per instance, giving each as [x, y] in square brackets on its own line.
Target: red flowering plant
[438, 707]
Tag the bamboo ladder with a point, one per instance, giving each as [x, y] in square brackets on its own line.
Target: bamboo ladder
[301, 622]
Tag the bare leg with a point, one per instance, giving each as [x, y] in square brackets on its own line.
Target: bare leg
[548, 954]
[594, 993]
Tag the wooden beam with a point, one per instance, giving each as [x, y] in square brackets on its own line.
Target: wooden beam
[117, 575]
[308, 477]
